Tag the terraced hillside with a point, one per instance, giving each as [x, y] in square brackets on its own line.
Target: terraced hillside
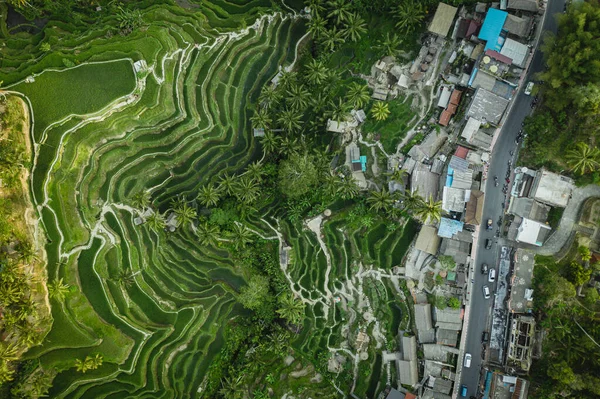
[163, 110]
[153, 305]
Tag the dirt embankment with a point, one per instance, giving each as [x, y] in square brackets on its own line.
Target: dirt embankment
[24, 219]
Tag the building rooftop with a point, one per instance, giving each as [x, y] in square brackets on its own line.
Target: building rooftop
[428, 240]
[458, 164]
[443, 386]
[446, 337]
[524, 5]
[516, 51]
[449, 227]
[532, 232]
[517, 26]
[467, 28]
[471, 127]
[424, 323]
[394, 394]
[442, 20]
[425, 182]
[462, 179]
[487, 106]
[499, 57]
[474, 211]
[407, 369]
[461, 152]
[409, 348]
[445, 117]
[492, 27]
[482, 140]
[459, 250]
[444, 97]
[553, 189]
[453, 200]
[521, 295]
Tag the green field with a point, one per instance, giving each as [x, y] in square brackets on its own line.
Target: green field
[170, 131]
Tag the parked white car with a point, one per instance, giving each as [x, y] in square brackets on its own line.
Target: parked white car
[529, 88]
[467, 362]
[492, 275]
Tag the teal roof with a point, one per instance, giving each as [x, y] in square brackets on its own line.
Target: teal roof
[449, 227]
[492, 27]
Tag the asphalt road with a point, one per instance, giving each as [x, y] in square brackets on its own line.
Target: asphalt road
[480, 312]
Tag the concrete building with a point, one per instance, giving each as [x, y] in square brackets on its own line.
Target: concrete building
[424, 323]
[552, 189]
[522, 332]
[425, 182]
[449, 227]
[516, 51]
[532, 232]
[442, 20]
[517, 26]
[506, 387]
[407, 366]
[521, 294]
[492, 28]
[453, 199]
[448, 319]
[523, 5]
[428, 240]
[459, 250]
[487, 107]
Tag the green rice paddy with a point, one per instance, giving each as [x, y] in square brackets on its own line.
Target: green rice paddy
[103, 132]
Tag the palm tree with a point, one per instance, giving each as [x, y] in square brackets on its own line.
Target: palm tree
[10, 294]
[410, 15]
[290, 119]
[270, 142]
[429, 210]
[241, 236]
[141, 199]
[96, 361]
[389, 45]
[227, 183]
[255, 171]
[184, 212]
[207, 234]
[156, 221]
[269, 96]
[58, 289]
[126, 277]
[261, 119]
[9, 352]
[380, 111]
[358, 95]
[355, 27]
[332, 38]
[317, 26]
[347, 188]
[316, 72]
[287, 78]
[232, 387]
[6, 372]
[584, 253]
[398, 175]
[412, 201]
[290, 309]
[316, 6]
[290, 146]
[380, 200]
[26, 252]
[209, 195]
[81, 365]
[297, 96]
[583, 158]
[340, 110]
[340, 10]
[246, 189]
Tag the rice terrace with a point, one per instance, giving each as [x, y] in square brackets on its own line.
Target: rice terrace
[194, 229]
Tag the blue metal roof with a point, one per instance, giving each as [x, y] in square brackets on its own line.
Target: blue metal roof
[363, 162]
[449, 227]
[449, 177]
[492, 27]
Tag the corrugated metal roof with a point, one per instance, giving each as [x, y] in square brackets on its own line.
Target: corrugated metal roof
[515, 51]
[492, 27]
[449, 227]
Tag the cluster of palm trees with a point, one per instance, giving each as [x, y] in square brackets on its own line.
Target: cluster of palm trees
[89, 363]
[583, 158]
[423, 210]
[333, 22]
[20, 323]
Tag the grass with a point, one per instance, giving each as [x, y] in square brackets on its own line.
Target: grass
[394, 128]
[81, 90]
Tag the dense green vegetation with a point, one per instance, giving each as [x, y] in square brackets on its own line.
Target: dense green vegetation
[205, 308]
[24, 314]
[571, 326]
[563, 133]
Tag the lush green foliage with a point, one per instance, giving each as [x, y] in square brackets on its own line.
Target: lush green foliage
[571, 326]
